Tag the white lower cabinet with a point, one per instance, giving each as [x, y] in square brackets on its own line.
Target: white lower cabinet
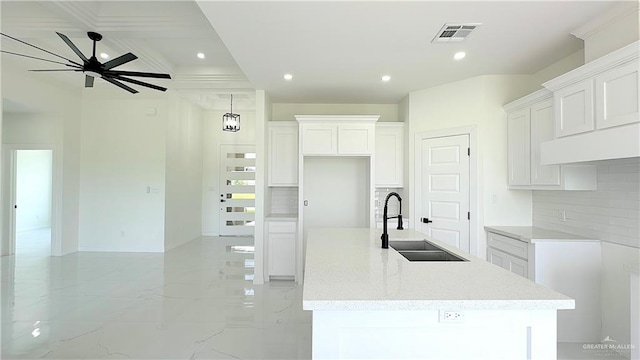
[281, 242]
[508, 262]
[571, 267]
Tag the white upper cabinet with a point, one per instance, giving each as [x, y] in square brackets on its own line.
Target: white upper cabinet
[574, 109]
[319, 139]
[541, 131]
[596, 110]
[356, 139]
[617, 96]
[530, 122]
[283, 153]
[389, 155]
[519, 123]
[341, 135]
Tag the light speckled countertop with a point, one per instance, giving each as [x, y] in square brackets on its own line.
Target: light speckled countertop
[530, 234]
[346, 269]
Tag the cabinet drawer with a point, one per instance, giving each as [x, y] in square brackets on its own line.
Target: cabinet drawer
[508, 245]
[281, 227]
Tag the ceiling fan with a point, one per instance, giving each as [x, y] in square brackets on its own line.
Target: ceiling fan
[92, 68]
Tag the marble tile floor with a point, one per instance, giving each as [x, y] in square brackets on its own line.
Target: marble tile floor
[34, 242]
[196, 301]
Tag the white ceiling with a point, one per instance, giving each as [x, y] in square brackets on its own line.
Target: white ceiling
[336, 50]
[165, 35]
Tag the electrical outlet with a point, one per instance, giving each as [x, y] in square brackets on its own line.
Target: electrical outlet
[449, 316]
[563, 215]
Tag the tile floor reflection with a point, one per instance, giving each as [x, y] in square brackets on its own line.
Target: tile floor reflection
[34, 242]
[197, 301]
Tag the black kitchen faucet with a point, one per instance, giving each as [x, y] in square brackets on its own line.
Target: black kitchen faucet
[385, 235]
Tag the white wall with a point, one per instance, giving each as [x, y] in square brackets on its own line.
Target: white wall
[475, 102]
[262, 116]
[213, 137]
[183, 194]
[122, 179]
[287, 112]
[613, 31]
[612, 214]
[53, 119]
[556, 69]
[34, 189]
[337, 189]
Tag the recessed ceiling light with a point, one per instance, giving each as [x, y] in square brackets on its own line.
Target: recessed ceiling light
[288, 76]
[459, 55]
[104, 55]
[200, 55]
[385, 78]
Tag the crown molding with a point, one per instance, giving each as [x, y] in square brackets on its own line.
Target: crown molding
[153, 60]
[614, 59]
[528, 100]
[341, 118]
[219, 100]
[603, 21]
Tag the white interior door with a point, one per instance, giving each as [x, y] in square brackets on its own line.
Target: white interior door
[237, 190]
[443, 207]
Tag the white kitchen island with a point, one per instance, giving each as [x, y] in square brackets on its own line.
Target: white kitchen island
[372, 303]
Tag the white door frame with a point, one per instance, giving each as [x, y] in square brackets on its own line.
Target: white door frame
[9, 187]
[471, 131]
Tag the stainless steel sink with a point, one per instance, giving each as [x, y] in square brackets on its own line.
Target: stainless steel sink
[423, 251]
[402, 245]
[430, 255]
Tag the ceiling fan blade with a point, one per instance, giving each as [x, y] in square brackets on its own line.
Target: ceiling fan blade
[37, 58]
[121, 85]
[39, 48]
[73, 47]
[42, 70]
[133, 81]
[119, 61]
[88, 81]
[138, 74]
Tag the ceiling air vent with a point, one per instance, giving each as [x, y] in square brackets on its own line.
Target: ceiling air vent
[454, 32]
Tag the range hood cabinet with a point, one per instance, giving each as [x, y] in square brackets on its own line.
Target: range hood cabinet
[596, 110]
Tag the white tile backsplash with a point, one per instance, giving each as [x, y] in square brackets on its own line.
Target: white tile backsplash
[392, 206]
[611, 213]
[284, 200]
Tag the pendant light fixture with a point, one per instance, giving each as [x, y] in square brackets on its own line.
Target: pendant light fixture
[231, 121]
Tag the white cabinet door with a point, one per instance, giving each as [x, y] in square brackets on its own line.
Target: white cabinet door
[498, 258]
[508, 262]
[389, 155]
[282, 254]
[542, 129]
[281, 243]
[617, 96]
[356, 139]
[319, 139]
[574, 108]
[518, 266]
[283, 154]
[519, 138]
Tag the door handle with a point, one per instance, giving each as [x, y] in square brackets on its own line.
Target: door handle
[425, 220]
